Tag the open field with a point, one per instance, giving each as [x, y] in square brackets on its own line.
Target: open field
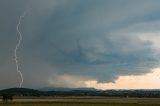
[84, 101]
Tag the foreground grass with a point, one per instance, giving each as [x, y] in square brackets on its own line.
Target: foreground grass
[77, 104]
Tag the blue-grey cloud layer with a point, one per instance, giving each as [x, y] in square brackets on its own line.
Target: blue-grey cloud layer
[93, 39]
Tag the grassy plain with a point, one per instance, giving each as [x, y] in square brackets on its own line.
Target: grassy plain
[83, 101]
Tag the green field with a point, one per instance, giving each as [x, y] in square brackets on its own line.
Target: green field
[83, 101]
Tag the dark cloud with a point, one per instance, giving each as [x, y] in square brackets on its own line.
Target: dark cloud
[78, 39]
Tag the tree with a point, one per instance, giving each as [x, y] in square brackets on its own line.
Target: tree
[7, 97]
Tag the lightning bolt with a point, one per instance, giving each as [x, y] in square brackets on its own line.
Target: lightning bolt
[17, 46]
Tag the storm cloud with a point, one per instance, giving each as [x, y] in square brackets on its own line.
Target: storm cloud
[66, 42]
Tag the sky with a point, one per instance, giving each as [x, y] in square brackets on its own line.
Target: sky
[104, 44]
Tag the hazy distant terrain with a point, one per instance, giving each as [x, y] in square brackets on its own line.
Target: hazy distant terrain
[26, 92]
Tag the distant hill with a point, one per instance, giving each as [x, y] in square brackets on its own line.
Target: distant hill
[66, 89]
[46, 91]
[80, 92]
[21, 92]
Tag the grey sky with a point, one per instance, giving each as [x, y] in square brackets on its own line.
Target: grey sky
[78, 40]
